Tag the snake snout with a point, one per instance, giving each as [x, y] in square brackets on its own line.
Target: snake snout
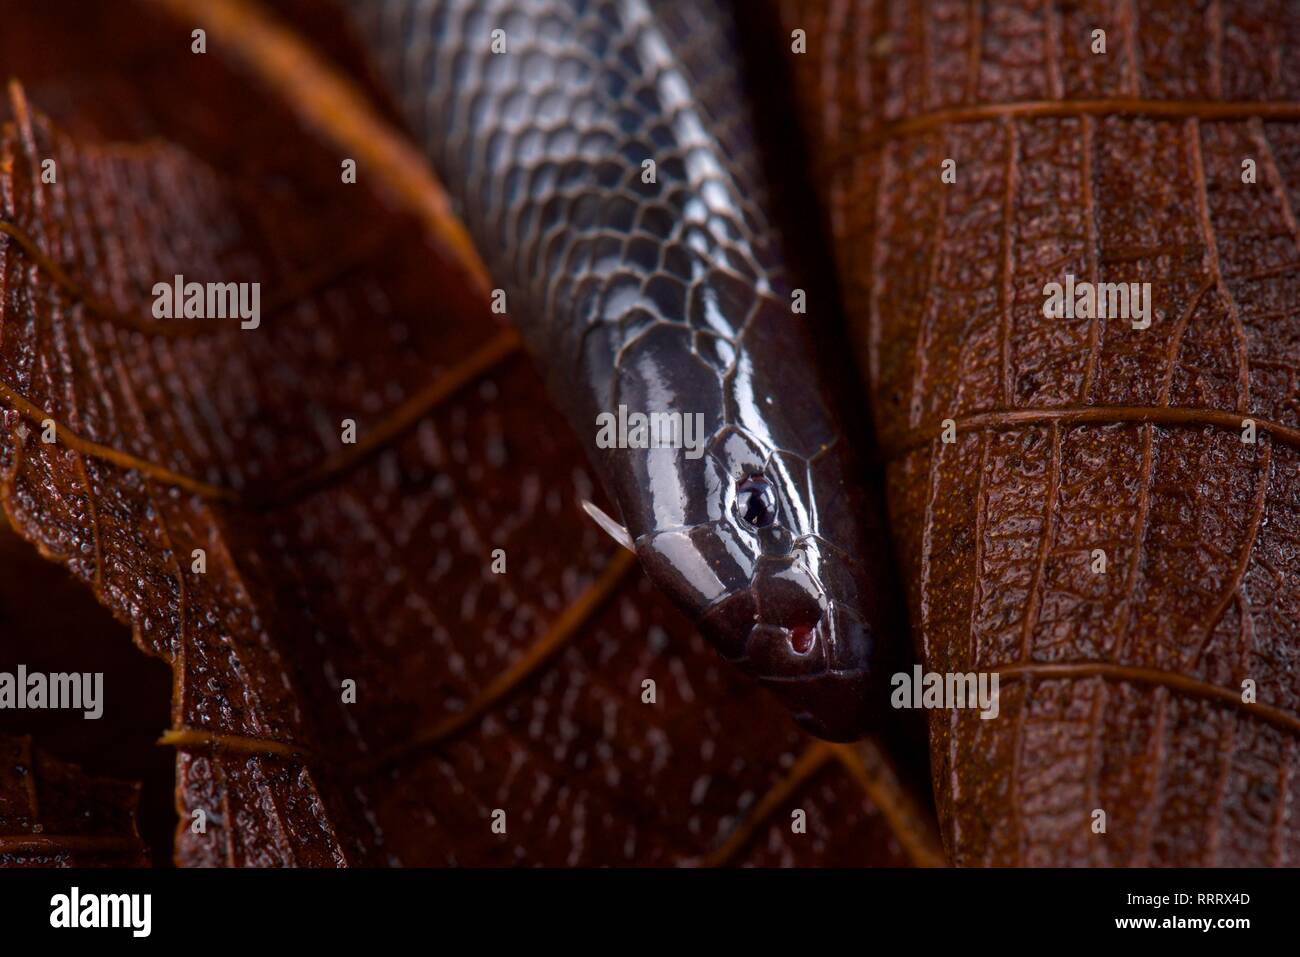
[832, 688]
[789, 635]
[784, 651]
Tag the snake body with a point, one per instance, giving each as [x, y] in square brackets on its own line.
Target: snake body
[601, 155]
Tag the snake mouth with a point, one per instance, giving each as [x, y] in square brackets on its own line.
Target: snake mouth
[788, 650]
[819, 667]
[821, 671]
[801, 639]
[805, 643]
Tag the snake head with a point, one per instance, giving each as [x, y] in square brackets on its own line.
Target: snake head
[769, 579]
[760, 533]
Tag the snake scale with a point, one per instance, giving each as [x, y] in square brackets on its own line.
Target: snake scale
[602, 156]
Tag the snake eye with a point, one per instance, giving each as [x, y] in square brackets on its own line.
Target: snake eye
[756, 502]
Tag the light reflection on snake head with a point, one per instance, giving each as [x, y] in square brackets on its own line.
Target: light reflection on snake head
[757, 537]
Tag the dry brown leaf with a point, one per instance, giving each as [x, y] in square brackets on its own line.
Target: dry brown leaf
[370, 562]
[1123, 691]
[52, 815]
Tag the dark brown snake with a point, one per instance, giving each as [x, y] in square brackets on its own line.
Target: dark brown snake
[663, 293]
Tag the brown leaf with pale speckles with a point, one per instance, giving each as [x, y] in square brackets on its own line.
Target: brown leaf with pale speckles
[1121, 691]
[370, 562]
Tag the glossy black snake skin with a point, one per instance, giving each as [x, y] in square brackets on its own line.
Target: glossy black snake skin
[660, 296]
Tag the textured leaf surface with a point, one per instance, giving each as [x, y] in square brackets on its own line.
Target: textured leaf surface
[53, 815]
[50, 623]
[1120, 691]
[371, 562]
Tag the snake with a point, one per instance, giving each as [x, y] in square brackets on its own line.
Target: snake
[603, 156]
